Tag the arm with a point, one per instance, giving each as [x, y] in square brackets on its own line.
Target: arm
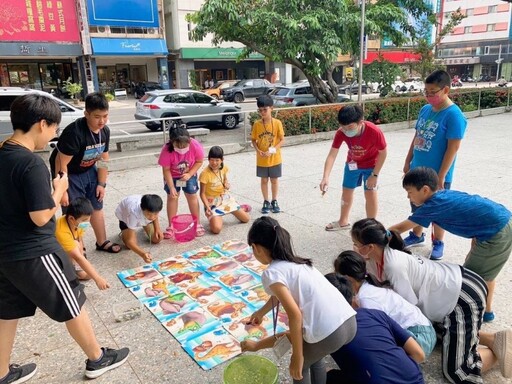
[168, 180]
[329, 163]
[60, 185]
[413, 349]
[256, 148]
[372, 180]
[408, 158]
[61, 165]
[202, 195]
[192, 171]
[130, 240]
[448, 158]
[102, 177]
[158, 231]
[403, 226]
[77, 255]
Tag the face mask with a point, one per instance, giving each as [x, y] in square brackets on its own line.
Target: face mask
[351, 133]
[181, 151]
[434, 100]
[84, 225]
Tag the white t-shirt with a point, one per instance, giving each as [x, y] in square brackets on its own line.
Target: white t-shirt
[431, 285]
[323, 307]
[130, 212]
[391, 303]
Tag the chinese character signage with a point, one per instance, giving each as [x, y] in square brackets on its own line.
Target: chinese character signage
[38, 20]
[121, 13]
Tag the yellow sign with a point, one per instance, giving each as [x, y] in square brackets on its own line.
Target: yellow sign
[349, 73]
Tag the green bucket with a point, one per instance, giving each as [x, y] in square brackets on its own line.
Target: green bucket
[251, 369]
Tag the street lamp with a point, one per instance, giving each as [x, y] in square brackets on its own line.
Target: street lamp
[361, 53]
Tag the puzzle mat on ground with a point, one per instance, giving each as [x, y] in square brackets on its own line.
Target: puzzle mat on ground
[204, 297]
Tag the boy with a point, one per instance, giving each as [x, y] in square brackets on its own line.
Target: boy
[69, 233]
[138, 211]
[366, 155]
[82, 153]
[267, 139]
[489, 224]
[439, 131]
[34, 271]
[381, 351]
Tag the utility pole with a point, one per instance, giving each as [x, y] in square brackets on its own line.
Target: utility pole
[361, 53]
[498, 62]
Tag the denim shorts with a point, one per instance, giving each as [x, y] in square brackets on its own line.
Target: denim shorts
[84, 185]
[447, 185]
[425, 336]
[354, 179]
[191, 188]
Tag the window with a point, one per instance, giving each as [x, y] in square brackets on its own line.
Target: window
[258, 83]
[117, 30]
[469, 12]
[492, 9]
[201, 98]
[183, 98]
[491, 27]
[467, 29]
[487, 50]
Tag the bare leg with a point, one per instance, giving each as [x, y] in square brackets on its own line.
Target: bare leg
[489, 359]
[274, 184]
[418, 230]
[150, 231]
[172, 207]
[437, 232]
[7, 335]
[264, 188]
[347, 197]
[80, 329]
[372, 204]
[242, 215]
[490, 294]
[98, 225]
[193, 204]
[216, 224]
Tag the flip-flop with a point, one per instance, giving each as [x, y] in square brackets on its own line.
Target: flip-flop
[246, 207]
[335, 226]
[168, 233]
[200, 230]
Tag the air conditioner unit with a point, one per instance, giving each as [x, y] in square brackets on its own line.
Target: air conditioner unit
[103, 29]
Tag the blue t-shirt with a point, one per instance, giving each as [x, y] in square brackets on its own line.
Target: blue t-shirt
[375, 355]
[469, 216]
[433, 130]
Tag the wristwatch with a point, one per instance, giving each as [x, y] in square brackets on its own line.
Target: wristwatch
[374, 174]
[102, 184]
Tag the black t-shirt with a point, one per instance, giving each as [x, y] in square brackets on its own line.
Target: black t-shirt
[25, 186]
[86, 147]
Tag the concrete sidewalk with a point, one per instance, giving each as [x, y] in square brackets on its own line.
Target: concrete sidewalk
[483, 167]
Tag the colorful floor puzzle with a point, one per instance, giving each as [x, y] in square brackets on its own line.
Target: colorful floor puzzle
[204, 298]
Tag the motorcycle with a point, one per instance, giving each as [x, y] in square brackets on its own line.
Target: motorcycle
[484, 78]
[466, 78]
[456, 82]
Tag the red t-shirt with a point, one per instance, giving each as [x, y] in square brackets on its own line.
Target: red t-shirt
[362, 149]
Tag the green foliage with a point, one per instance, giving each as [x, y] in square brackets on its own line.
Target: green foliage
[192, 77]
[308, 34]
[72, 88]
[109, 96]
[382, 72]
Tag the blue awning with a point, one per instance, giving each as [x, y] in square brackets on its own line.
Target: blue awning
[129, 47]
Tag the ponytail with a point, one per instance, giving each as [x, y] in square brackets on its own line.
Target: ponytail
[352, 264]
[371, 231]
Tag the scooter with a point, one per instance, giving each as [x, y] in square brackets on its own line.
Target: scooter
[456, 82]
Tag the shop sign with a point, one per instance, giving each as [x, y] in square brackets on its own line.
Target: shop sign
[461, 61]
[123, 13]
[216, 53]
[107, 46]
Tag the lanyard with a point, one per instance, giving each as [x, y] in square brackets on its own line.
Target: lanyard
[275, 314]
[98, 148]
[71, 230]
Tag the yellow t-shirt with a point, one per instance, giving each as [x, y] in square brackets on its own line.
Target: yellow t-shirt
[213, 182]
[64, 236]
[267, 135]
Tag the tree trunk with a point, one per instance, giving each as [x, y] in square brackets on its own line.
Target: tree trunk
[322, 91]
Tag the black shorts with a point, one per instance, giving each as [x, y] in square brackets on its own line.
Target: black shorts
[48, 282]
[122, 225]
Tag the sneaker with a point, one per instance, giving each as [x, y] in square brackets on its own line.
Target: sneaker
[413, 241]
[112, 358]
[488, 317]
[266, 207]
[19, 373]
[437, 250]
[502, 348]
[275, 206]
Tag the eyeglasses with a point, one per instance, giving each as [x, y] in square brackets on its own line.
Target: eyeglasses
[262, 110]
[57, 131]
[426, 93]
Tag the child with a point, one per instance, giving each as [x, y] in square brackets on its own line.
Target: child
[489, 224]
[137, 211]
[180, 159]
[69, 231]
[439, 131]
[366, 155]
[446, 293]
[371, 294]
[320, 319]
[267, 139]
[381, 352]
[214, 187]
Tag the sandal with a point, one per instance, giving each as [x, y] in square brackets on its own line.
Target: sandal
[168, 233]
[110, 249]
[335, 226]
[246, 208]
[200, 230]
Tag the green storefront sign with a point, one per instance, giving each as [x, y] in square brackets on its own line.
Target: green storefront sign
[216, 53]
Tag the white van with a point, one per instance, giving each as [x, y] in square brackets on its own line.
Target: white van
[7, 95]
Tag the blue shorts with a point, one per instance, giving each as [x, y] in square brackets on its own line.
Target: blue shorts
[447, 185]
[191, 188]
[353, 179]
[425, 336]
[84, 185]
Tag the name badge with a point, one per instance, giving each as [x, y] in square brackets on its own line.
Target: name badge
[352, 166]
[181, 183]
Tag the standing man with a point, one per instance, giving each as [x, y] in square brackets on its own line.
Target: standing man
[82, 153]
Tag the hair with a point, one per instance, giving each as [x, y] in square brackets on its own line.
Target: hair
[342, 284]
[267, 232]
[350, 114]
[96, 101]
[151, 203]
[178, 135]
[31, 108]
[264, 101]
[420, 177]
[370, 231]
[352, 264]
[79, 207]
[216, 152]
[440, 78]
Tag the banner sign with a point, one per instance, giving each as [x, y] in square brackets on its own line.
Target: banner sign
[122, 13]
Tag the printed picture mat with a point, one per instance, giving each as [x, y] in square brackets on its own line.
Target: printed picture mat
[205, 297]
[227, 205]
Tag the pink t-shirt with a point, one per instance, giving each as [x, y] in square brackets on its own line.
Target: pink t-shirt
[362, 149]
[180, 164]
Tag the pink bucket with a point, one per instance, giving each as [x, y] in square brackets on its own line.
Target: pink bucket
[184, 227]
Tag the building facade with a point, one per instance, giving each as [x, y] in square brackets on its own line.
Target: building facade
[480, 45]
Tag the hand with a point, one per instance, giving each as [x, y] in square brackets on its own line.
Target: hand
[255, 319]
[441, 183]
[208, 213]
[64, 201]
[371, 182]
[159, 235]
[296, 364]
[227, 185]
[407, 167]
[249, 346]
[101, 283]
[100, 193]
[324, 186]
[61, 182]
[147, 257]
[186, 176]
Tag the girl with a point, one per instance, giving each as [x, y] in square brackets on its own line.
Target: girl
[213, 192]
[320, 319]
[446, 293]
[180, 159]
[371, 294]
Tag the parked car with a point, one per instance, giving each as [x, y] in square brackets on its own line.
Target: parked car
[298, 94]
[247, 88]
[353, 88]
[414, 84]
[190, 106]
[141, 88]
[7, 95]
[215, 92]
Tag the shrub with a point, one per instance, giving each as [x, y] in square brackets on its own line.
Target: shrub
[109, 97]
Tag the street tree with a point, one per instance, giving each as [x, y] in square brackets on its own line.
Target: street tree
[309, 34]
[383, 72]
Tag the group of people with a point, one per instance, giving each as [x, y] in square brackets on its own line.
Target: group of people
[374, 313]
